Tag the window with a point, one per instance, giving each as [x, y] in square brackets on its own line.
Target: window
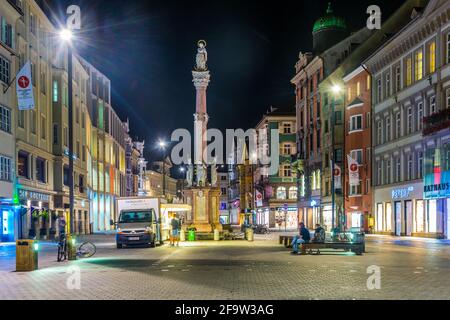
[367, 120]
[84, 155]
[287, 149]
[379, 132]
[5, 119]
[355, 190]
[81, 184]
[409, 120]
[337, 117]
[388, 85]
[432, 105]
[397, 169]
[66, 175]
[33, 74]
[5, 168]
[388, 128]
[33, 26]
[22, 165]
[418, 65]
[338, 155]
[357, 155]
[356, 122]
[7, 34]
[287, 128]
[281, 193]
[302, 185]
[367, 191]
[420, 165]
[293, 193]
[408, 71]
[398, 123]
[21, 119]
[77, 114]
[349, 94]
[368, 83]
[33, 121]
[66, 136]
[40, 170]
[388, 171]
[43, 128]
[379, 173]
[43, 83]
[287, 171]
[448, 47]
[55, 91]
[368, 155]
[398, 79]
[432, 57]
[358, 89]
[409, 167]
[379, 90]
[420, 115]
[55, 133]
[78, 150]
[4, 70]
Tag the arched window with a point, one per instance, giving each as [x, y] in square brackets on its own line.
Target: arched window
[281, 193]
[293, 193]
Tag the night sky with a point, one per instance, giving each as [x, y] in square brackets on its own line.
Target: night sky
[147, 49]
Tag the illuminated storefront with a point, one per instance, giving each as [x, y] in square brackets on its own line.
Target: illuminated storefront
[434, 211]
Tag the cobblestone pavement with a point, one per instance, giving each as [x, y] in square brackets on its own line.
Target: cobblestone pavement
[260, 270]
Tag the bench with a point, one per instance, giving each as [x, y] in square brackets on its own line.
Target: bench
[357, 247]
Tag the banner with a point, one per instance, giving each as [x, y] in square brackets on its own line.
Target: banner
[24, 88]
[259, 199]
[337, 177]
[353, 171]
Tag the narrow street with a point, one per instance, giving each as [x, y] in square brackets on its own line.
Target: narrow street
[260, 270]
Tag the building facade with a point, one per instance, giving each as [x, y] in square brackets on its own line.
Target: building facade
[410, 88]
[278, 206]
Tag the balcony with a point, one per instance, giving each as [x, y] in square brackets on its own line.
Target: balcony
[436, 122]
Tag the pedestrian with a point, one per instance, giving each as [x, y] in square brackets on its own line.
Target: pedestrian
[176, 226]
[301, 238]
[319, 234]
[61, 225]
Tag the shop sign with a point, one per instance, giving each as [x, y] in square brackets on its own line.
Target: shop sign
[401, 193]
[437, 185]
[33, 195]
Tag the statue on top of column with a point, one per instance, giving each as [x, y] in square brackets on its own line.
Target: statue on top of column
[202, 56]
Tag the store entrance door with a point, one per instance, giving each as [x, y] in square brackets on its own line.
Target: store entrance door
[408, 217]
[7, 226]
[398, 218]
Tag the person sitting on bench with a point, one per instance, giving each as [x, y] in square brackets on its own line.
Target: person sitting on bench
[319, 234]
[303, 237]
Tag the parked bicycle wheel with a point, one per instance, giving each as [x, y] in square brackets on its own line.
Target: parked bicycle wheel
[86, 250]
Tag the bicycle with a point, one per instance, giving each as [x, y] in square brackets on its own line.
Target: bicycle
[85, 250]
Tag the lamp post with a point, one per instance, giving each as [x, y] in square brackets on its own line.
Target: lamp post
[162, 146]
[336, 89]
[182, 171]
[66, 36]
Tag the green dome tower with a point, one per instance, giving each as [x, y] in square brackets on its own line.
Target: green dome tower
[328, 30]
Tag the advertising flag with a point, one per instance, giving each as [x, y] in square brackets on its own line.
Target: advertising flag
[24, 88]
[353, 171]
[337, 177]
[259, 199]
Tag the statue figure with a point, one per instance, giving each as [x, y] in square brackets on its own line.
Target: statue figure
[189, 175]
[201, 175]
[202, 56]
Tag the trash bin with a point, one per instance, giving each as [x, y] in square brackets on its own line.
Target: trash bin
[216, 235]
[191, 235]
[249, 234]
[27, 255]
[182, 236]
[71, 248]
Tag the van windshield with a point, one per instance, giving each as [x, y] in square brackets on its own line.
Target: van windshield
[136, 216]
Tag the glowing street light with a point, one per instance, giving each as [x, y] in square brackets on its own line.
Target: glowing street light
[336, 89]
[66, 35]
[162, 144]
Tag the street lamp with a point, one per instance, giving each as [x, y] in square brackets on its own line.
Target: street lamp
[336, 89]
[162, 145]
[253, 160]
[182, 171]
[66, 36]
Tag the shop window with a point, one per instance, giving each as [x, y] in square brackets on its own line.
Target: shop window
[379, 218]
[419, 218]
[22, 165]
[388, 217]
